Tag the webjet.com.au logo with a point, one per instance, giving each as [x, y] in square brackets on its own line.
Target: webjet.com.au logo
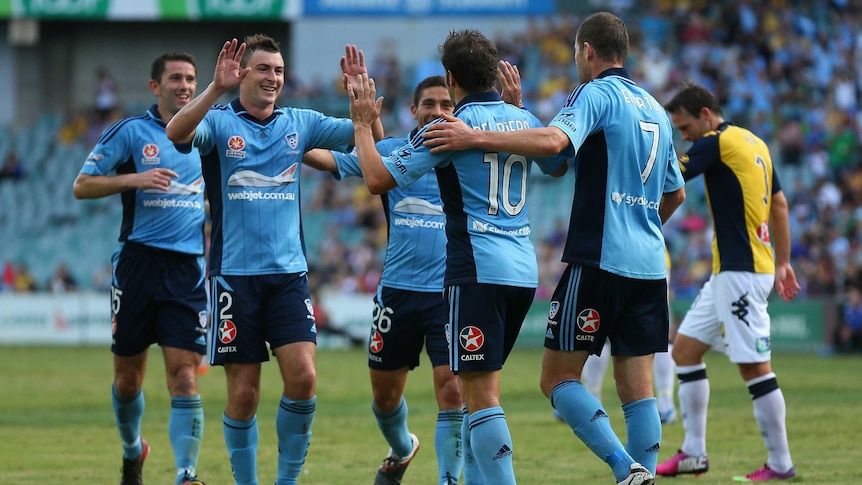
[172, 204]
[250, 195]
[621, 198]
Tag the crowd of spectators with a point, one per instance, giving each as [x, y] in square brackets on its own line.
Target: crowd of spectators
[789, 70]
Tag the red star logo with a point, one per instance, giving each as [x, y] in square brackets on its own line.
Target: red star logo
[150, 150]
[226, 331]
[236, 142]
[471, 338]
[376, 344]
[588, 320]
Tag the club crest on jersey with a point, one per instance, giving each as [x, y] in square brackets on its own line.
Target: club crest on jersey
[292, 140]
[471, 339]
[235, 147]
[226, 332]
[588, 320]
[555, 307]
[375, 345]
[763, 234]
[150, 154]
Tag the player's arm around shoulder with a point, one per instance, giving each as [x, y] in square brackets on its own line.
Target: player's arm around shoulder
[455, 135]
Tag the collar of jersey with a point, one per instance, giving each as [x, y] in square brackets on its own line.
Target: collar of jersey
[615, 71]
[153, 112]
[239, 110]
[483, 97]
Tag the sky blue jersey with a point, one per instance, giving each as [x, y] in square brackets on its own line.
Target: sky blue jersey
[484, 197]
[172, 220]
[252, 170]
[416, 252]
[625, 161]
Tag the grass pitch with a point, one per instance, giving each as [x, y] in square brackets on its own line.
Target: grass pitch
[56, 422]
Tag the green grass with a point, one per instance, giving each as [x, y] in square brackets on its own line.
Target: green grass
[56, 422]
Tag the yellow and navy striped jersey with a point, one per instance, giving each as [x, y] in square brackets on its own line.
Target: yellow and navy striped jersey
[739, 179]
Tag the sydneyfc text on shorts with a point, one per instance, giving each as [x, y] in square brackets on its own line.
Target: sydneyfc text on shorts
[253, 195]
[172, 204]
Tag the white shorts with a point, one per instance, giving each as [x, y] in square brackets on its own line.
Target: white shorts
[730, 314]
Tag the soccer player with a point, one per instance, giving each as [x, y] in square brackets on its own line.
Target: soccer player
[251, 152]
[491, 269]
[409, 308]
[627, 183]
[157, 291]
[749, 212]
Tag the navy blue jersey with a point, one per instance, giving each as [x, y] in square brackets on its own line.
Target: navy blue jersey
[625, 161]
[484, 197]
[252, 170]
[416, 253]
[171, 220]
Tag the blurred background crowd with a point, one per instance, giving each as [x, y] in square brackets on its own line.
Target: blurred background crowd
[790, 71]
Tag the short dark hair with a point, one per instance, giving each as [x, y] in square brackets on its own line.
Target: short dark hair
[608, 35]
[258, 42]
[471, 58]
[428, 82]
[158, 66]
[692, 98]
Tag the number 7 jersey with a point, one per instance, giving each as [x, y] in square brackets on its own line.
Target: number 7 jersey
[625, 162]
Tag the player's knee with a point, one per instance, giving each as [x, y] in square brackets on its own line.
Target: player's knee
[127, 388]
[184, 382]
[449, 394]
[386, 400]
[300, 385]
[547, 383]
[681, 353]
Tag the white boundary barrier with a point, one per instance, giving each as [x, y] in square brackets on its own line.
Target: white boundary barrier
[55, 319]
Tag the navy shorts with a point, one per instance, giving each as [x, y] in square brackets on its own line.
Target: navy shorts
[404, 321]
[590, 305]
[250, 311]
[157, 296]
[484, 322]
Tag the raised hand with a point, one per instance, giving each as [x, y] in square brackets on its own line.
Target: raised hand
[510, 82]
[364, 108]
[228, 73]
[352, 64]
[454, 134]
